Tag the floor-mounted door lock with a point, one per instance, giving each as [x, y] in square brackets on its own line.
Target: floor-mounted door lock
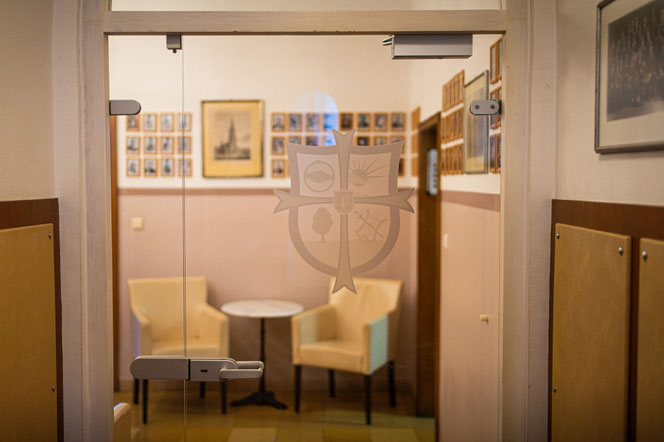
[166, 368]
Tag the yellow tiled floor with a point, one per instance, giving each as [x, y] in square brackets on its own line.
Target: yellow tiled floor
[320, 419]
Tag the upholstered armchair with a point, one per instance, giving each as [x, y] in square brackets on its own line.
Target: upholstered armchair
[156, 306]
[353, 332]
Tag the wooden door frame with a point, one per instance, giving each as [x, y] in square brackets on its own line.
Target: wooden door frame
[426, 321]
[521, 218]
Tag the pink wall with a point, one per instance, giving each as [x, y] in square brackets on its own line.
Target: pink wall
[244, 251]
[469, 356]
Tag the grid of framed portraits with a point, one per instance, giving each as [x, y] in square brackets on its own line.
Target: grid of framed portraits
[453, 91]
[494, 120]
[152, 141]
[494, 153]
[317, 127]
[495, 66]
[452, 160]
[452, 126]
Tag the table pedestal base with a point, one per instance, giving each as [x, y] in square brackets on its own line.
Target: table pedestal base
[260, 398]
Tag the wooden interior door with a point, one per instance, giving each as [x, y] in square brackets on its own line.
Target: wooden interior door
[428, 276]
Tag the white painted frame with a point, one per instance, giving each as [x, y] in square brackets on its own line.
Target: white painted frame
[522, 409]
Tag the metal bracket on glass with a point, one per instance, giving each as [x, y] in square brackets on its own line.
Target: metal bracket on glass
[124, 107]
[424, 46]
[166, 368]
[485, 107]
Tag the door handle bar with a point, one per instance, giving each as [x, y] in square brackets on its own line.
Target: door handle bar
[194, 369]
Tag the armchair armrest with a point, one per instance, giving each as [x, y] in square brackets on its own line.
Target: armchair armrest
[314, 325]
[212, 326]
[377, 336]
[142, 333]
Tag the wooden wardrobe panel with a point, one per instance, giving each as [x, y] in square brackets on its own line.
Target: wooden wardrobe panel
[590, 335]
[650, 353]
[28, 367]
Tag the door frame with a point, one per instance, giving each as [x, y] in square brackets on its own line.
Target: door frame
[519, 222]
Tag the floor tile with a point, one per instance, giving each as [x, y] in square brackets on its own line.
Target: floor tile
[393, 435]
[239, 434]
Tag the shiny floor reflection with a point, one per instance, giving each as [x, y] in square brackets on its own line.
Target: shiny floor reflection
[321, 418]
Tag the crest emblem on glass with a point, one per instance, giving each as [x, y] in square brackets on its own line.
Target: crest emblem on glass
[344, 205]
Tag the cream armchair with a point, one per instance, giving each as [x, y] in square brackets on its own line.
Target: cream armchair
[353, 332]
[156, 306]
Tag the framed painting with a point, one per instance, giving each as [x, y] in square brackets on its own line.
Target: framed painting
[629, 85]
[232, 138]
[475, 127]
[346, 121]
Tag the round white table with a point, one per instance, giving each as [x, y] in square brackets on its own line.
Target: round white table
[262, 309]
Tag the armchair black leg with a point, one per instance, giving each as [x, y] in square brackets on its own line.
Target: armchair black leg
[223, 397]
[298, 382]
[390, 380]
[201, 391]
[367, 398]
[144, 405]
[330, 378]
[135, 391]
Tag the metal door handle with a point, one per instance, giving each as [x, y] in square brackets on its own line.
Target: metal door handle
[194, 369]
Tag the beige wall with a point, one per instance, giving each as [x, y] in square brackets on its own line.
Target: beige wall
[581, 173]
[26, 114]
[245, 252]
[469, 364]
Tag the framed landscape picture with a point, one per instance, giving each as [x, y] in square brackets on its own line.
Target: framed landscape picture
[475, 127]
[232, 138]
[629, 89]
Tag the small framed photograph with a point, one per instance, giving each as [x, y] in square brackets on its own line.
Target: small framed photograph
[166, 145]
[362, 140]
[328, 140]
[133, 167]
[278, 168]
[166, 120]
[397, 121]
[415, 118]
[133, 123]
[166, 167]
[402, 167]
[149, 122]
[313, 121]
[295, 139]
[363, 121]
[380, 121]
[184, 167]
[414, 147]
[379, 140]
[492, 153]
[295, 122]
[150, 145]
[494, 120]
[396, 138]
[184, 121]
[150, 168]
[346, 121]
[133, 145]
[277, 145]
[414, 165]
[311, 140]
[278, 121]
[330, 121]
[495, 51]
[184, 144]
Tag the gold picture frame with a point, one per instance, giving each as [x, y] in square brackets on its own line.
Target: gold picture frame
[232, 138]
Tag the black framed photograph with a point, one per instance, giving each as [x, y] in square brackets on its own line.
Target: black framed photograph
[475, 127]
[629, 89]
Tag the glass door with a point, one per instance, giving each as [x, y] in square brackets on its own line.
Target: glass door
[283, 194]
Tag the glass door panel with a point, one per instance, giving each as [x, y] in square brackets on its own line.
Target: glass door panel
[300, 153]
[150, 198]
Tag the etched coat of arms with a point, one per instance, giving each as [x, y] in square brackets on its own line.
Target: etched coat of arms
[344, 205]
